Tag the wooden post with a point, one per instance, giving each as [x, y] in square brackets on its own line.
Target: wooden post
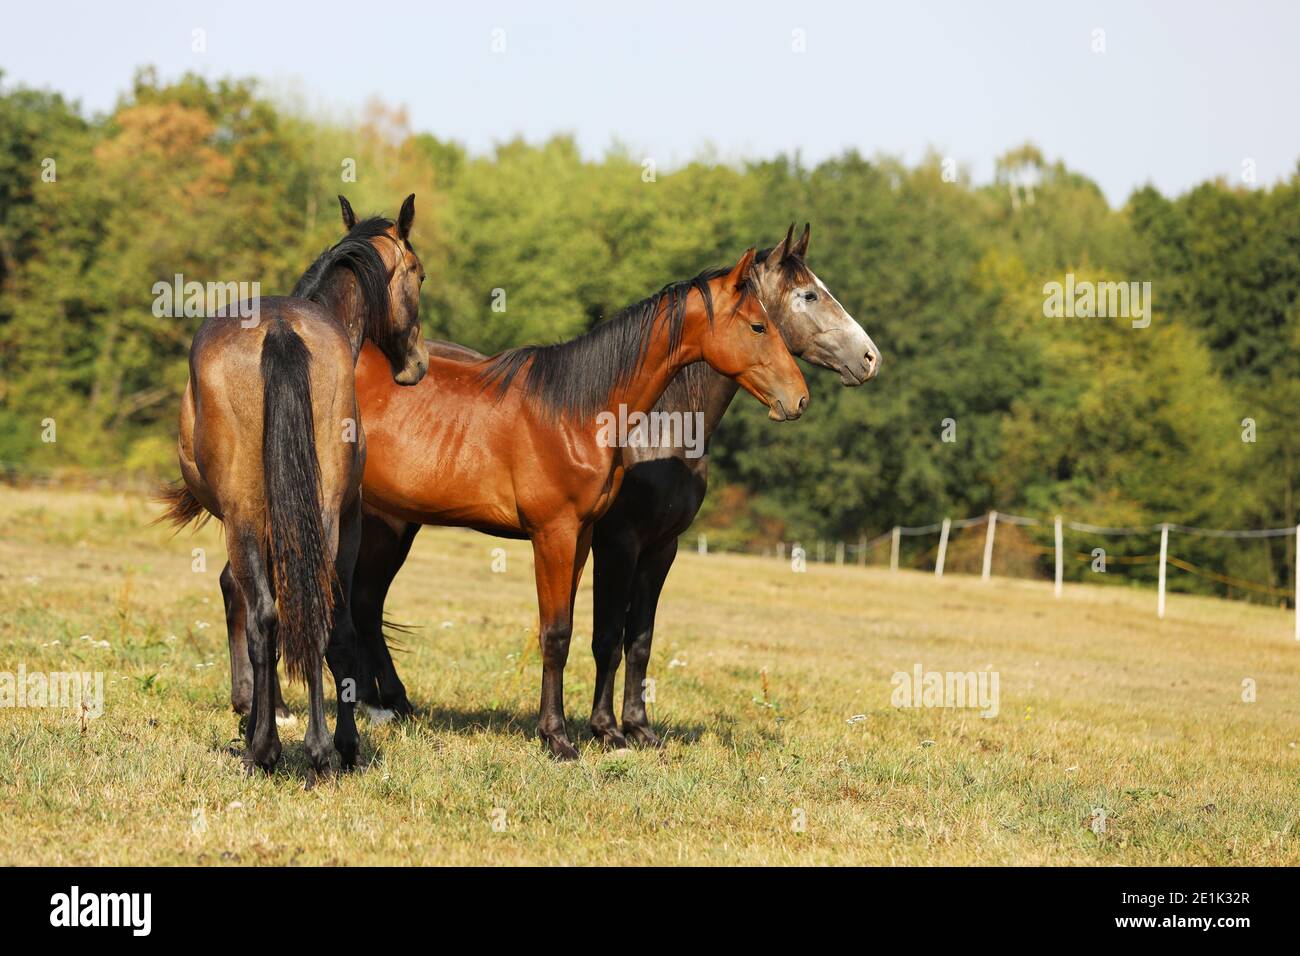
[862, 550]
[839, 552]
[893, 548]
[702, 545]
[1060, 558]
[1164, 553]
[988, 545]
[943, 547]
[1297, 582]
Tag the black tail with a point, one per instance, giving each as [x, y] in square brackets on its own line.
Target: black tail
[390, 630]
[301, 570]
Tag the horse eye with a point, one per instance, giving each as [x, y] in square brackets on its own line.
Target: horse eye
[810, 296]
[759, 328]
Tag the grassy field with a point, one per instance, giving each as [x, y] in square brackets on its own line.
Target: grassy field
[759, 672]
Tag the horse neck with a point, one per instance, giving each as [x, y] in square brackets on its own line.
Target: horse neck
[346, 305]
[662, 363]
[718, 393]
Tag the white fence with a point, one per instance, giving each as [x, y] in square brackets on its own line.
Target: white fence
[994, 518]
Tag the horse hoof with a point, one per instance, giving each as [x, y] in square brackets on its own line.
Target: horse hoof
[609, 737]
[264, 762]
[561, 749]
[347, 754]
[642, 736]
[319, 759]
[399, 705]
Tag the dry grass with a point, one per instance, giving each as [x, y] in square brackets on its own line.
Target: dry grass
[758, 671]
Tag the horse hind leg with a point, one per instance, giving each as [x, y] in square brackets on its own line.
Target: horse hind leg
[320, 748]
[613, 566]
[652, 569]
[251, 575]
[385, 543]
[341, 650]
[241, 669]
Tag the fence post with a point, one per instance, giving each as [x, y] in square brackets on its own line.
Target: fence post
[988, 545]
[839, 552]
[702, 545]
[943, 547]
[862, 550]
[1297, 582]
[1164, 553]
[893, 548]
[1060, 558]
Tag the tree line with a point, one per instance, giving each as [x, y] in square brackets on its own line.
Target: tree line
[984, 400]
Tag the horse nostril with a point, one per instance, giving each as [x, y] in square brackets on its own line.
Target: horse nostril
[803, 403]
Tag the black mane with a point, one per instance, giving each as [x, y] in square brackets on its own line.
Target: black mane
[354, 251]
[576, 378]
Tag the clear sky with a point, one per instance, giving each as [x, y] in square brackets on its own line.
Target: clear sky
[1184, 91]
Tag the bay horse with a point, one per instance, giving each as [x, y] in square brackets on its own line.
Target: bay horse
[635, 542]
[511, 446]
[270, 444]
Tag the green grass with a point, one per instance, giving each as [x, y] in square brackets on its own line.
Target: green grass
[758, 671]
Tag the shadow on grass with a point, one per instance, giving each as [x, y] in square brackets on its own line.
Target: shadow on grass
[506, 721]
[510, 723]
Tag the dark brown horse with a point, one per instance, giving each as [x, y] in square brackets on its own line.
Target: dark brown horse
[517, 445]
[635, 541]
[270, 443]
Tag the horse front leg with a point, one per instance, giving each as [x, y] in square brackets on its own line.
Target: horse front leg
[560, 553]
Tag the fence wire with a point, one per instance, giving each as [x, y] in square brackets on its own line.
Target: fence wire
[844, 552]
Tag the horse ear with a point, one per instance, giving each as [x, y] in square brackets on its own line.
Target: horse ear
[782, 250]
[741, 271]
[406, 216]
[349, 217]
[801, 247]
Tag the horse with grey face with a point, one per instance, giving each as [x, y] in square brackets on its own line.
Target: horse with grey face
[635, 542]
